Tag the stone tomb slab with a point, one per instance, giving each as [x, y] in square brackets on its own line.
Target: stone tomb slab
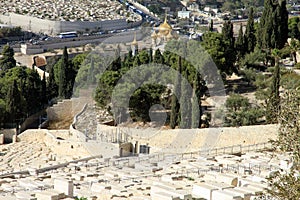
[203, 190]
[225, 195]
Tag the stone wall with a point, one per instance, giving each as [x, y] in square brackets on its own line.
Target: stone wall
[66, 147]
[60, 115]
[190, 140]
[54, 27]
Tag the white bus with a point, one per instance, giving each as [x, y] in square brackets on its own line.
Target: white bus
[71, 34]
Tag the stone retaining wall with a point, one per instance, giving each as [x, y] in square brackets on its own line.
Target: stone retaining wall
[54, 27]
[190, 140]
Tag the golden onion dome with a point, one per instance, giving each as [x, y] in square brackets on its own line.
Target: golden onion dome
[165, 28]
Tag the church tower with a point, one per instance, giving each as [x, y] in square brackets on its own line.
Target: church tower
[134, 46]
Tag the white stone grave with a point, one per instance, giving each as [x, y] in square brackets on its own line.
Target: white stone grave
[65, 186]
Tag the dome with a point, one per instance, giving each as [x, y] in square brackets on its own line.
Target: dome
[154, 35]
[169, 36]
[164, 28]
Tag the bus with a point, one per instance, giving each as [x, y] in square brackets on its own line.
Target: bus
[71, 34]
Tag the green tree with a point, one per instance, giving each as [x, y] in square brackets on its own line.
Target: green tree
[158, 57]
[294, 47]
[144, 57]
[217, 47]
[106, 84]
[7, 61]
[239, 44]
[196, 102]
[61, 73]
[273, 102]
[240, 112]
[43, 91]
[142, 100]
[185, 105]
[52, 87]
[211, 26]
[13, 100]
[249, 37]
[227, 33]
[254, 59]
[273, 26]
[195, 111]
[136, 62]
[175, 106]
[293, 26]
[32, 93]
[64, 73]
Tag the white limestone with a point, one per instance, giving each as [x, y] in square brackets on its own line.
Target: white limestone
[1, 139]
[65, 186]
[203, 190]
[224, 195]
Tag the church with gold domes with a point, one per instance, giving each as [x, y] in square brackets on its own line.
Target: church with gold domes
[162, 34]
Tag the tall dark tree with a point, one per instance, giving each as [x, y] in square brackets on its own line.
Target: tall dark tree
[239, 44]
[116, 64]
[185, 105]
[52, 87]
[150, 55]
[273, 27]
[174, 118]
[195, 111]
[294, 25]
[196, 103]
[7, 61]
[136, 61]
[211, 26]
[227, 33]
[158, 57]
[273, 103]
[62, 77]
[249, 37]
[44, 89]
[13, 100]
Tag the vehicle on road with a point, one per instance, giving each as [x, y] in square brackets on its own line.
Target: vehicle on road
[71, 34]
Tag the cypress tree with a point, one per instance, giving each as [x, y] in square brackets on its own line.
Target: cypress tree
[150, 55]
[283, 30]
[62, 85]
[195, 111]
[273, 102]
[158, 58]
[13, 100]
[52, 88]
[250, 38]
[175, 107]
[44, 90]
[227, 32]
[230, 57]
[136, 61]
[239, 44]
[211, 25]
[273, 26]
[196, 103]
[185, 105]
